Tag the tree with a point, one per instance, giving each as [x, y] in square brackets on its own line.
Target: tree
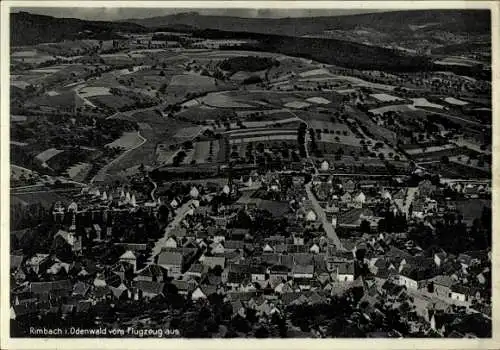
[364, 226]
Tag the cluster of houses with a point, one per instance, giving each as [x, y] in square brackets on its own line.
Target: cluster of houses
[204, 254]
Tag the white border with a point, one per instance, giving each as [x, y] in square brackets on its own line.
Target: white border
[15, 343]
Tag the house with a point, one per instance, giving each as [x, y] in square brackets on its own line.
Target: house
[426, 188]
[15, 262]
[23, 310]
[149, 289]
[238, 308]
[284, 288]
[171, 243]
[349, 186]
[359, 198]
[59, 268]
[172, 261]
[151, 273]
[323, 191]
[461, 294]
[277, 274]
[345, 272]
[64, 238]
[346, 198]
[184, 287]
[62, 287]
[202, 292]
[303, 271]
[311, 216]
[386, 195]
[413, 278]
[213, 261]
[196, 270]
[314, 249]
[439, 258]
[441, 286]
[258, 274]
[129, 258]
[38, 263]
[418, 209]
[298, 240]
[481, 278]
[120, 291]
[217, 248]
[232, 245]
[81, 289]
[267, 248]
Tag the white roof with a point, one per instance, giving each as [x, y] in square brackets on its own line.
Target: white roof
[128, 255]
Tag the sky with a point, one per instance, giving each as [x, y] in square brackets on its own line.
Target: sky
[115, 13]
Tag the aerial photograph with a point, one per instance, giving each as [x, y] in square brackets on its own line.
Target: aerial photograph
[250, 173]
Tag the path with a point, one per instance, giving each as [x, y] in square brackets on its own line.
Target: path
[60, 178]
[410, 195]
[327, 225]
[179, 216]
[102, 172]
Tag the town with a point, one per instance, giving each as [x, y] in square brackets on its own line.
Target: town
[171, 178]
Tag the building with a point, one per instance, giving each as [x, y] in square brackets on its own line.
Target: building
[345, 272]
[171, 261]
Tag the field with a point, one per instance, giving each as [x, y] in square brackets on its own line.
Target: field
[91, 91]
[430, 149]
[201, 152]
[127, 141]
[222, 100]
[473, 208]
[47, 154]
[16, 172]
[457, 171]
[393, 108]
[164, 155]
[314, 72]
[360, 82]
[318, 100]
[296, 104]
[111, 101]
[385, 97]
[422, 102]
[30, 56]
[265, 114]
[454, 101]
[205, 113]
[46, 199]
[159, 130]
[192, 80]
[188, 133]
[457, 61]
[18, 119]
[467, 161]
[78, 172]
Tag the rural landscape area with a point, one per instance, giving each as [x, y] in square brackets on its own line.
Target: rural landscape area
[213, 175]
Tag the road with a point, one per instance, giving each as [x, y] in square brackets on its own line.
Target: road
[410, 195]
[327, 225]
[60, 178]
[154, 189]
[180, 214]
[102, 172]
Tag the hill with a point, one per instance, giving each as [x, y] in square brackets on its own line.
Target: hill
[29, 29]
[337, 52]
[455, 21]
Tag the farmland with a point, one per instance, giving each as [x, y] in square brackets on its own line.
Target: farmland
[127, 141]
[79, 172]
[47, 154]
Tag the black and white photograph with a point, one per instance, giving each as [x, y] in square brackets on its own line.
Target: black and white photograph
[248, 172]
